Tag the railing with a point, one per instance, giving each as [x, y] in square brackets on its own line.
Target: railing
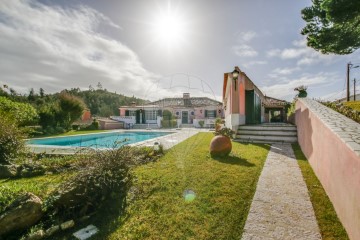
[125, 119]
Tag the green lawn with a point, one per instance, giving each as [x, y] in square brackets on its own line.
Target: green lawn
[224, 190]
[329, 224]
[41, 186]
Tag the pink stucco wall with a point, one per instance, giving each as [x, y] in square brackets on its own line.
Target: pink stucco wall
[335, 164]
[241, 98]
[122, 111]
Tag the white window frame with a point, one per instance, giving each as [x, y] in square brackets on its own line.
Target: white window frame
[150, 114]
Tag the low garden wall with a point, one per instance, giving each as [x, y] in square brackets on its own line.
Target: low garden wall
[331, 143]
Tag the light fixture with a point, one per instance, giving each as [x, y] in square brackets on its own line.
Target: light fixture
[156, 146]
[235, 75]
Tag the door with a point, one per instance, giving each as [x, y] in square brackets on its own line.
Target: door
[185, 117]
[252, 107]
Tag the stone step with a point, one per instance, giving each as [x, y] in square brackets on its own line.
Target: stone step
[145, 126]
[266, 138]
[259, 141]
[267, 128]
[267, 133]
[186, 125]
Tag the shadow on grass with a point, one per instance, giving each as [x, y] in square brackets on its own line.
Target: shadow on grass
[234, 160]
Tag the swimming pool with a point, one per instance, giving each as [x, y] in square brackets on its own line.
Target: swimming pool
[99, 140]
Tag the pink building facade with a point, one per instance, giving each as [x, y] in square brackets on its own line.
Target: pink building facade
[244, 103]
[189, 111]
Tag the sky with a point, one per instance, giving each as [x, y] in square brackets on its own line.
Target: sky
[161, 48]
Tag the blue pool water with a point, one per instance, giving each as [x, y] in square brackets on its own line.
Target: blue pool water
[102, 140]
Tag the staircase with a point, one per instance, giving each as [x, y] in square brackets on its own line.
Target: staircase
[267, 133]
[145, 126]
[186, 125]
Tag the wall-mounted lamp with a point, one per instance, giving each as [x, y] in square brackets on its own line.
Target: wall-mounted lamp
[235, 75]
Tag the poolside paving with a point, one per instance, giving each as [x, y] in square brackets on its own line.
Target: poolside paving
[168, 141]
[281, 208]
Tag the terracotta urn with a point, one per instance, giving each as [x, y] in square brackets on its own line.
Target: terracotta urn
[220, 146]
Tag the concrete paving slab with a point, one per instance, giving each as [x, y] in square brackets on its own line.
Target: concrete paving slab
[281, 208]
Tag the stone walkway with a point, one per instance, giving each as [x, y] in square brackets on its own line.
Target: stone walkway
[281, 208]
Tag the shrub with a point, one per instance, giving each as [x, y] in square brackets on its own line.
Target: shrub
[169, 123]
[93, 126]
[11, 140]
[345, 110]
[201, 123]
[168, 120]
[103, 175]
[21, 113]
[225, 132]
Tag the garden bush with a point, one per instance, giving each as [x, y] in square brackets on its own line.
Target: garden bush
[11, 140]
[345, 110]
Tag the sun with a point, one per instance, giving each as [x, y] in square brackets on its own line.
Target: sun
[169, 28]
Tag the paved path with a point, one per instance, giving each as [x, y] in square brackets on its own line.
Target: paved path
[281, 208]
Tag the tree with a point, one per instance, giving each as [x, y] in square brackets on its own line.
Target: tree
[333, 26]
[23, 114]
[11, 140]
[41, 92]
[71, 108]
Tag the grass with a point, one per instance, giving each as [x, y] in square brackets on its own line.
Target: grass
[329, 224]
[355, 105]
[41, 186]
[224, 189]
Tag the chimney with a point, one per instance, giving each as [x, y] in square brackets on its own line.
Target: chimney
[186, 95]
[133, 104]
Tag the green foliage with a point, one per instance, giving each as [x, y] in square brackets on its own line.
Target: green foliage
[329, 224]
[345, 110]
[58, 115]
[224, 132]
[7, 195]
[333, 26]
[103, 103]
[22, 113]
[168, 120]
[71, 109]
[93, 126]
[291, 108]
[201, 123]
[11, 140]
[355, 105]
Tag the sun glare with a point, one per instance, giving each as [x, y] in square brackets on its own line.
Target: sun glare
[169, 29]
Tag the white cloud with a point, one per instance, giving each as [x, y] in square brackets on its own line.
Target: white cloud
[56, 48]
[273, 53]
[285, 89]
[301, 53]
[244, 50]
[277, 72]
[289, 53]
[253, 63]
[247, 36]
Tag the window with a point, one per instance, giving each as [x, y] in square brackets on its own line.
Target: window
[150, 114]
[132, 113]
[210, 113]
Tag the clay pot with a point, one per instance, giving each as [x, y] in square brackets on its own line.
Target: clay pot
[220, 146]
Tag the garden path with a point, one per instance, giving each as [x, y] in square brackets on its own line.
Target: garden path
[281, 208]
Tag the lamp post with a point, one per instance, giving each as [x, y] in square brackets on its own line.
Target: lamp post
[348, 67]
[235, 75]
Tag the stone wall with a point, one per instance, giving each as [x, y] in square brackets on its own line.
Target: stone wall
[331, 143]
